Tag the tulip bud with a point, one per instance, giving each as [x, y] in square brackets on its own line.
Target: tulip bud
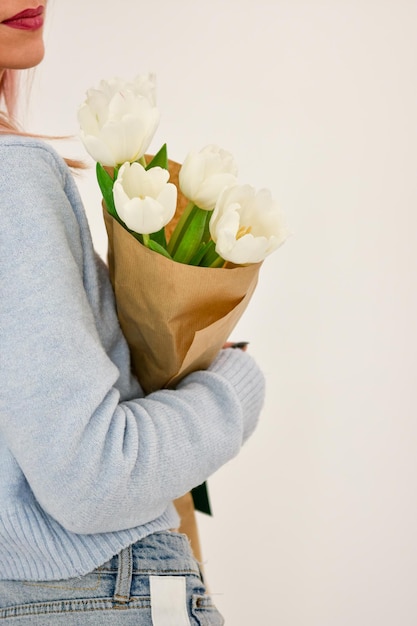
[205, 174]
[119, 119]
[246, 225]
[144, 199]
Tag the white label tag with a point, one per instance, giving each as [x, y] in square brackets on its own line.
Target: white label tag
[169, 601]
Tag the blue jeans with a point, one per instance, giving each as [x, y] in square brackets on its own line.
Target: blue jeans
[130, 589]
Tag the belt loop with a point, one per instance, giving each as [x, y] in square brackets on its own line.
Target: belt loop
[124, 576]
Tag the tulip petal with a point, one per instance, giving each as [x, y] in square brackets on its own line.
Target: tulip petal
[247, 249]
[168, 198]
[98, 150]
[88, 120]
[120, 196]
[141, 215]
[191, 174]
[211, 188]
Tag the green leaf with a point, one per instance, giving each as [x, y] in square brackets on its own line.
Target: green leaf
[210, 257]
[191, 239]
[202, 249]
[182, 225]
[105, 182]
[160, 159]
[201, 499]
[160, 238]
[153, 245]
[206, 234]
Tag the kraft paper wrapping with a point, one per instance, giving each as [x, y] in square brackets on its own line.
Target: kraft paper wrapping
[175, 317]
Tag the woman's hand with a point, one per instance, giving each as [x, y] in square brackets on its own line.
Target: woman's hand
[241, 345]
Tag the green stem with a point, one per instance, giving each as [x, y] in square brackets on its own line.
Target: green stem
[146, 240]
[179, 228]
[191, 239]
[219, 262]
[142, 161]
[199, 254]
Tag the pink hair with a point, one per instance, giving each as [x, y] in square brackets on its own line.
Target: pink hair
[8, 97]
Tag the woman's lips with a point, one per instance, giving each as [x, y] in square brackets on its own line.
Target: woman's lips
[30, 19]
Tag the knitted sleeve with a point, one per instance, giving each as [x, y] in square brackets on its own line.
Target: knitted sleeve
[97, 458]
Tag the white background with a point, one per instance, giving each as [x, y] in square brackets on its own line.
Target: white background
[315, 522]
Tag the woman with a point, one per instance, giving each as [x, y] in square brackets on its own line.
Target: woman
[88, 465]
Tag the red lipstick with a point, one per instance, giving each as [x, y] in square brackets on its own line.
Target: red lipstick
[30, 19]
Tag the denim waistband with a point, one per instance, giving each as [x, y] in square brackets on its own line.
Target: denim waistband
[162, 552]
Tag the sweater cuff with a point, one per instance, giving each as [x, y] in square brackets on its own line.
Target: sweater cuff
[243, 374]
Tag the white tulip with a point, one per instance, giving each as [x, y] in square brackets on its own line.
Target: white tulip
[144, 199]
[246, 225]
[205, 174]
[142, 85]
[119, 119]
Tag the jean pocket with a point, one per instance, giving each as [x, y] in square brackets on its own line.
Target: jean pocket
[25, 598]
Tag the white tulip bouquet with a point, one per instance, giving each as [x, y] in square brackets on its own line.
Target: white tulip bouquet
[195, 225]
[222, 222]
[185, 242]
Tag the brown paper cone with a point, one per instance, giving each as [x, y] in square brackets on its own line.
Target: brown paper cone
[175, 317]
[185, 508]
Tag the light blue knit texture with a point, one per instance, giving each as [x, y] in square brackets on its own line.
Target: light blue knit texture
[87, 464]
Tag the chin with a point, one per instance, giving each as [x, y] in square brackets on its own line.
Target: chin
[34, 61]
[21, 50]
[27, 61]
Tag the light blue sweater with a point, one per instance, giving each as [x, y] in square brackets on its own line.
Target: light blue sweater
[87, 464]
